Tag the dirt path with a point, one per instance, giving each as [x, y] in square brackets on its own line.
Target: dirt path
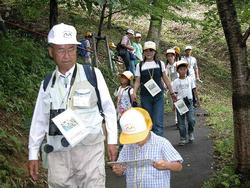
[198, 156]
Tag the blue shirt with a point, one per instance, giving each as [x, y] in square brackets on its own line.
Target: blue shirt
[146, 176]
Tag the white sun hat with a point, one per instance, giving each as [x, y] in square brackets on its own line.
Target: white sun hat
[188, 48]
[62, 34]
[128, 74]
[149, 45]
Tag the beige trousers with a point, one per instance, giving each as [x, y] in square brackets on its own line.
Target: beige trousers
[81, 167]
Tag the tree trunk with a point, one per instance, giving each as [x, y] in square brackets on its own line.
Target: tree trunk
[53, 13]
[110, 16]
[102, 16]
[154, 32]
[240, 84]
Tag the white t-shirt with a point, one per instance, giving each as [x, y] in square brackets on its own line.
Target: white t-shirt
[183, 87]
[149, 65]
[192, 62]
[171, 71]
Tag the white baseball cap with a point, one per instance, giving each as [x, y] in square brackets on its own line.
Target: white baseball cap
[135, 124]
[149, 45]
[188, 48]
[131, 31]
[62, 34]
[170, 51]
[137, 35]
[181, 62]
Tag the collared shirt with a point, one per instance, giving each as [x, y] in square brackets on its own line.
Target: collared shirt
[40, 119]
[156, 148]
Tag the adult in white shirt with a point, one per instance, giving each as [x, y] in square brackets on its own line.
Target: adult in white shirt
[149, 77]
[81, 165]
[193, 70]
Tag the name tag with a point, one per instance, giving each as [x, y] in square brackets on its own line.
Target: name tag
[152, 87]
[82, 98]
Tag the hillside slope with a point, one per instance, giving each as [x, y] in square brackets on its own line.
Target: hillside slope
[25, 63]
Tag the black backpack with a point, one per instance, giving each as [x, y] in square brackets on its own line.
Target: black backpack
[91, 77]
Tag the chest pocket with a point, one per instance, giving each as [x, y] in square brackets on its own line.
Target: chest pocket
[83, 96]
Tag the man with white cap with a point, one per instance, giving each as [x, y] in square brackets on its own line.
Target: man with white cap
[193, 69]
[192, 62]
[155, 155]
[80, 165]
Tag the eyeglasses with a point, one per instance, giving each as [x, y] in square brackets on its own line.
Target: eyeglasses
[62, 51]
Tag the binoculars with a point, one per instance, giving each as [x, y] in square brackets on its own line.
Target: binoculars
[53, 130]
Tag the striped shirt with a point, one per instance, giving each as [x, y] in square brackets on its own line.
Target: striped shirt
[146, 176]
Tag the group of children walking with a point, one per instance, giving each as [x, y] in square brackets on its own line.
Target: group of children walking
[146, 157]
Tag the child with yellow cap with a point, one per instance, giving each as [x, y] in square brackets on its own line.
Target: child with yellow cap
[140, 146]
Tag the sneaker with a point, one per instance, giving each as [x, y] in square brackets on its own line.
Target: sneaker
[182, 142]
[191, 137]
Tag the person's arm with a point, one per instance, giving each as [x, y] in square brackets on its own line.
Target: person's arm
[125, 43]
[196, 96]
[196, 71]
[168, 84]
[38, 128]
[137, 82]
[118, 169]
[168, 165]
[110, 115]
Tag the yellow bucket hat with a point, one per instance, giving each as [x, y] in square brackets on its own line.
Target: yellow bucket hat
[135, 124]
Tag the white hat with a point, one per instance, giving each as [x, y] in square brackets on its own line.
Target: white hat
[181, 62]
[188, 48]
[62, 34]
[170, 51]
[135, 124]
[128, 74]
[149, 45]
[131, 31]
[137, 35]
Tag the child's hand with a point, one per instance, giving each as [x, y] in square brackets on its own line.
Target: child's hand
[161, 165]
[118, 169]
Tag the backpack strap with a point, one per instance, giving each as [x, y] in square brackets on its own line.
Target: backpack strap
[157, 62]
[91, 77]
[130, 99]
[47, 80]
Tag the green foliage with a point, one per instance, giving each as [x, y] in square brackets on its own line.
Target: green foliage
[31, 10]
[9, 173]
[225, 178]
[24, 64]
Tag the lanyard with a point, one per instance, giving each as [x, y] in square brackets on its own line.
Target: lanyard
[135, 170]
[66, 96]
[151, 76]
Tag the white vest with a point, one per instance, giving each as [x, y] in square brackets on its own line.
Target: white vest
[89, 114]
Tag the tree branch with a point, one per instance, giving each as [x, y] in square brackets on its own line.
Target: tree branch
[246, 35]
[115, 12]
